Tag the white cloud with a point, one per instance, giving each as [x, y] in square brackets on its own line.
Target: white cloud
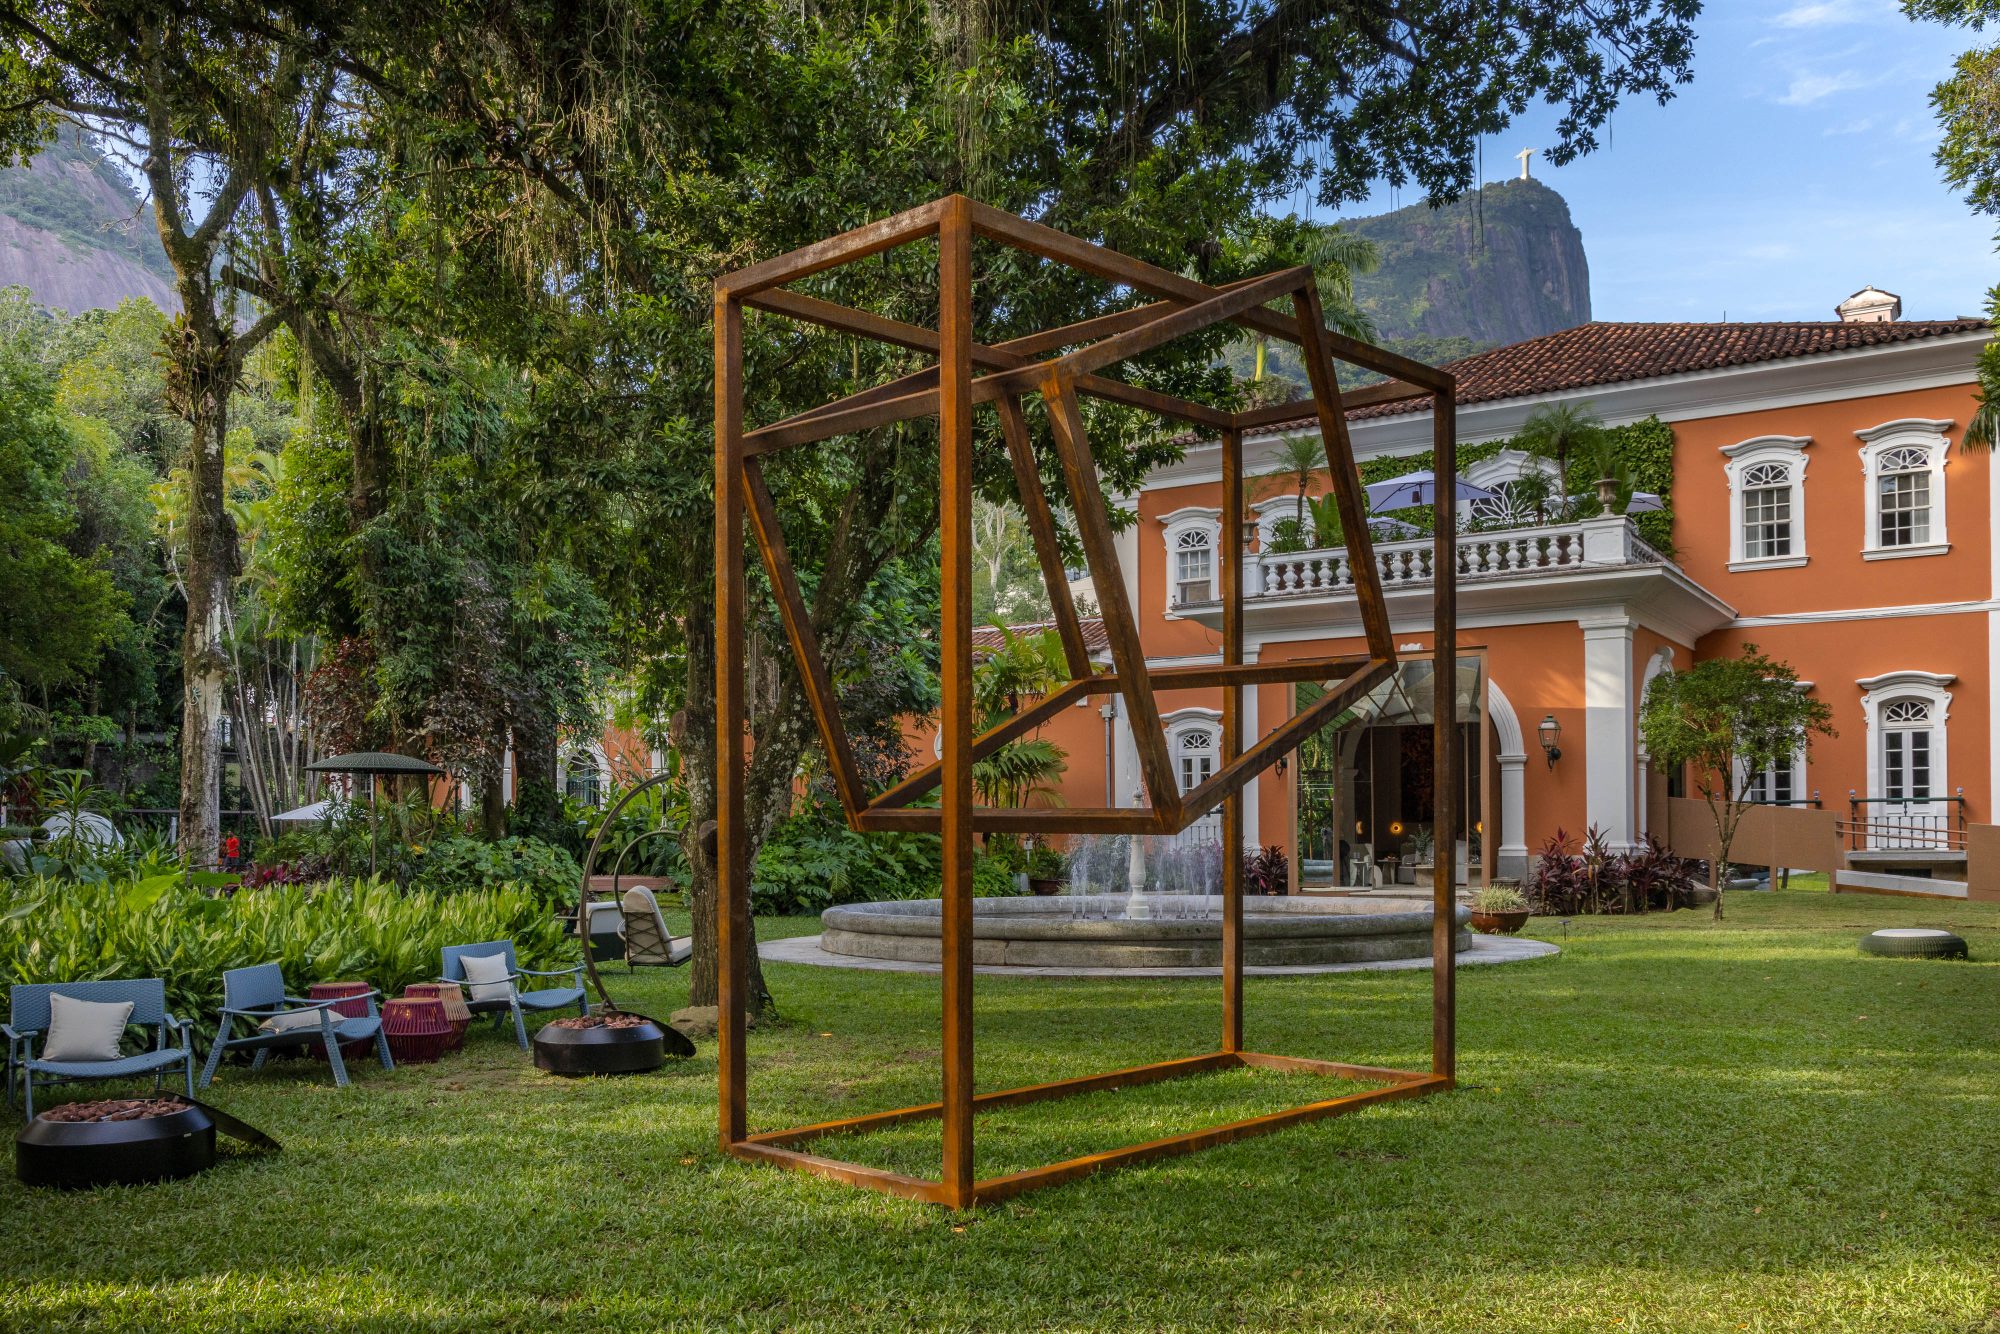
[1806, 89]
[1861, 126]
[1832, 13]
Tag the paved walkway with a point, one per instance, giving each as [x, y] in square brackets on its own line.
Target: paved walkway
[1484, 950]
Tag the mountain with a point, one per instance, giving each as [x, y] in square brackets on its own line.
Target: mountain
[74, 233]
[1498, 266]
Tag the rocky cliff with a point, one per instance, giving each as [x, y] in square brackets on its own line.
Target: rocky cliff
[1496, 267]
[76, 235]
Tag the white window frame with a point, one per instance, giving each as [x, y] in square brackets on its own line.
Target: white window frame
[593, 751]
[1911, 684]
[1179, 524]
[1788, 451]
[1877, 443]
[1179, 726]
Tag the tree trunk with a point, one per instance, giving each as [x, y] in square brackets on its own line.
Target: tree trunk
[211, 566]
[493, 793]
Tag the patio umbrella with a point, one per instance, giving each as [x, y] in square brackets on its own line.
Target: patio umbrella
[374, 763]
[1642, 502]
[310, 813]
[1416, 488]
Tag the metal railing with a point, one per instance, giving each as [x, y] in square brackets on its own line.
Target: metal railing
[1894, 824]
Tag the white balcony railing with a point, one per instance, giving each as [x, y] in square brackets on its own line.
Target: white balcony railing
[1516, 553]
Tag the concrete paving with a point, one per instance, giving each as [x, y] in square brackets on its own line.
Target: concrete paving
[1483, 950]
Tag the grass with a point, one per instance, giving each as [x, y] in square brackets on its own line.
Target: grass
[1671, 1126]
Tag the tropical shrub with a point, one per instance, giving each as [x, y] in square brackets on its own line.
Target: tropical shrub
[1267, 871]
[53, 931]
[809, 863]
[459, 863]
[1589, 878]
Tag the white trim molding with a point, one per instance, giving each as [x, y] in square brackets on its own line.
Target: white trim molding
[1905, 442]
[1761, 459]
[1510, 753]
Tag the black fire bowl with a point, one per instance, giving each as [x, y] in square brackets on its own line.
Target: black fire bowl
[75, 1154]
[605, 1050]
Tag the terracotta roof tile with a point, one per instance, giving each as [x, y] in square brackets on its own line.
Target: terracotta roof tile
[1606, 353]
[987, 637]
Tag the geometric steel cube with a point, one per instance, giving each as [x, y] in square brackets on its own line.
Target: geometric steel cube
[1060, 365]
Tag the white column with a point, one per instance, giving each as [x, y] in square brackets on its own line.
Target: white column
[1608, 749]
[1252, 831]
[1992, 803]
[507, 776]
[1511, 859]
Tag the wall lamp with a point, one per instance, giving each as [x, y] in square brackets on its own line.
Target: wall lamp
[1550, 731]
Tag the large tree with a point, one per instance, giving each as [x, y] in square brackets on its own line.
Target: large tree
[209, 109]
[580, 174]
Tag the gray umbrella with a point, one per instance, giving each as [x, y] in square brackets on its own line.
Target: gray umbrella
[374, 763]
[1416, 488]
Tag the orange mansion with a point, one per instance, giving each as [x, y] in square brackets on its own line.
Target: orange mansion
[1822, 507]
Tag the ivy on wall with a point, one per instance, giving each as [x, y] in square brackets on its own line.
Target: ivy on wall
[1647, 446]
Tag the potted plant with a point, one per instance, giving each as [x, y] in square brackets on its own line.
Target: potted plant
[1499, 911]
[1048, 871]
[1418, 850]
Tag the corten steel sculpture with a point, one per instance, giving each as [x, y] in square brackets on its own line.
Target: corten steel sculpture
[968, 374]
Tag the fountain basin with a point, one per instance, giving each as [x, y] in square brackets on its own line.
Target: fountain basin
[1046, 932]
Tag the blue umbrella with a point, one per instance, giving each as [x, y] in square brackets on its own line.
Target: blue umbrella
[1416, 488]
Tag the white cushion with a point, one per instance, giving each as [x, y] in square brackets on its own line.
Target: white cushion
[81, 1030]
[291, 1020]
[487, 976]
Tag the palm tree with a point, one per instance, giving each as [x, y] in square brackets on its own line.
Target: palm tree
[1301, 462]
[1558, 432]
[1334, 255]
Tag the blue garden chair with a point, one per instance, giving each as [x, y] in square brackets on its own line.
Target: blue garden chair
[29, 1006]
[516, 1001]
[257, 994]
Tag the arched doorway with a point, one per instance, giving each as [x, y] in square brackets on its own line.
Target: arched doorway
[1366, 800]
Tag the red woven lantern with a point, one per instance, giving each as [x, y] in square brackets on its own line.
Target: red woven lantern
[453, 999]
[417, 1029]
[352, 1009]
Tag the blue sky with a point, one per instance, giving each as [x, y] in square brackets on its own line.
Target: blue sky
[1795, 169]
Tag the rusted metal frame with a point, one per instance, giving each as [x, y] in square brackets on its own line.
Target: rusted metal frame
[1003, 357]
[1279, 742]
[1128, 655]
[1042, 528]
[955, 485]
[1152, 1073]
[1232, 740]
[994, 1189]
[1199, 676]
[1022, 820]
[1050, 244]
[804, 640]
[770, 1147]
[823, 425]
[1395, 391]
[901, 333]
[869, 239]
[1187, 320]
[1164, 678]
[1346, 478]
[1445, 746]
[732, 869]
[852, 1174]
[928, 777]
[848, 420]
[1306, 1065]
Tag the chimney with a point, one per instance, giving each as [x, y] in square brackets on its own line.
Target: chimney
[1870, 305]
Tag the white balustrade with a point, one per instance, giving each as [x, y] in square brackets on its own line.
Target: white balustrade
[1514, 553]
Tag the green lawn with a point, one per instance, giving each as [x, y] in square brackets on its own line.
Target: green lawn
[1671, 1126]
